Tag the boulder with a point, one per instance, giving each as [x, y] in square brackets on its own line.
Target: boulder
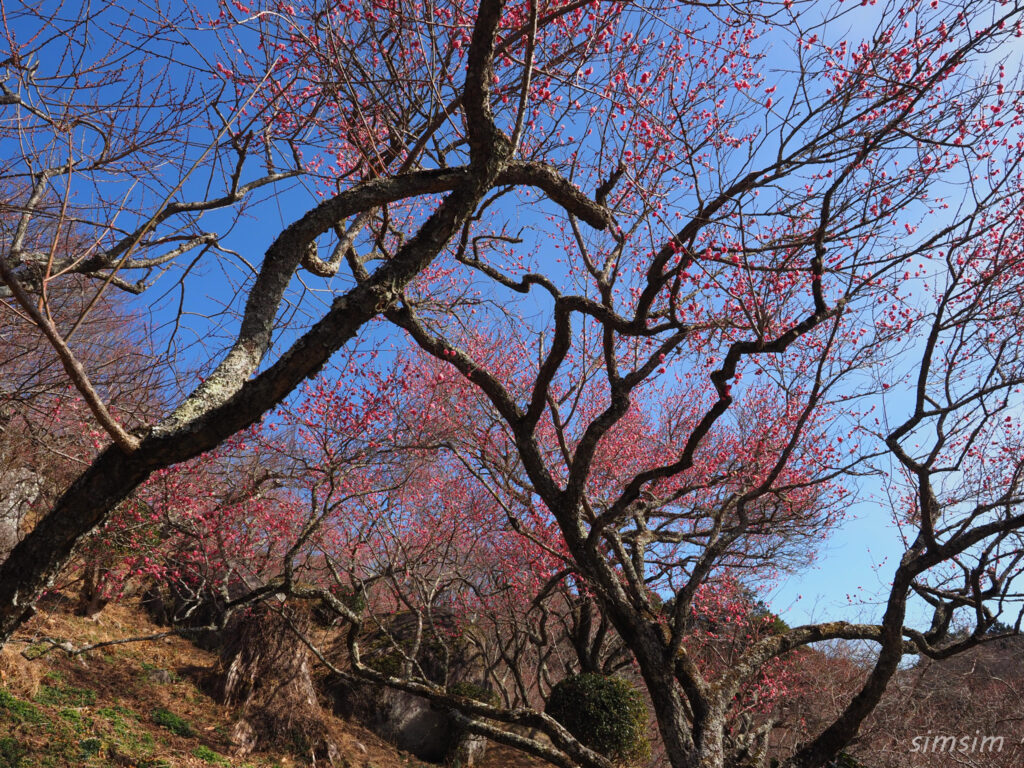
[413, 723]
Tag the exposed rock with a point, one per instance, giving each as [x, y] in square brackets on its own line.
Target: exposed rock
[19, 488]
[161, 676]
[467, 751]
[412, 723]
[407, 721]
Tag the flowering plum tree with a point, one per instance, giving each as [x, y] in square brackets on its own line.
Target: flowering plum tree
[208, 531]
[691, 265]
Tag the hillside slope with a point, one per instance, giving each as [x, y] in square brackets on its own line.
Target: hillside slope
[141, 704]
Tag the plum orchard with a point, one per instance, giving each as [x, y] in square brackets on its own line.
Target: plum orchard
[666, 266]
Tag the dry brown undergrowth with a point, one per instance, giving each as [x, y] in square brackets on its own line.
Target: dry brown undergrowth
[97, 709]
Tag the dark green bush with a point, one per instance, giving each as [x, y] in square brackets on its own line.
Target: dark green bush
[606, 714]
[391, 663]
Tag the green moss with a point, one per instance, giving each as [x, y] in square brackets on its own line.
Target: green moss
[78, 722]
[90, 747]
[36, 650]
[172, 722]
[20, 711]
[606, 714]
[65, 696]
[12, 752]
[120, 726]
[117, 714]
[207, 755]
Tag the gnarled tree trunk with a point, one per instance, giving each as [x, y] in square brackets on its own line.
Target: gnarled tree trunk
[264, 672]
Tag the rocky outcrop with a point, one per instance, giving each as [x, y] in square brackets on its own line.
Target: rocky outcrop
[413, 723]
[19, 488]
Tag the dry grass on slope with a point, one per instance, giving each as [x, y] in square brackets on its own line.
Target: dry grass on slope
[140, 704]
